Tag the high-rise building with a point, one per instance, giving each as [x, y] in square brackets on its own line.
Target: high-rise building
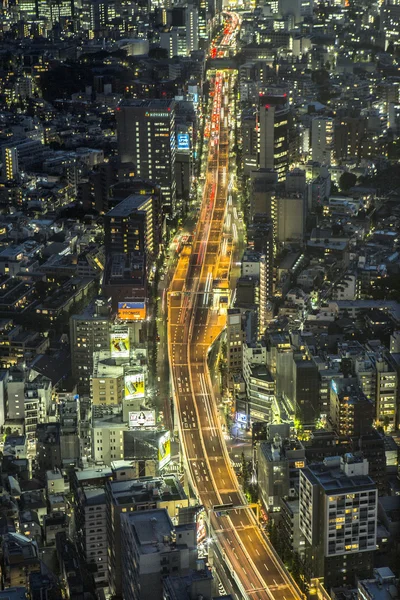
[278, 464]
[234, 341]
[89, 332]
[249, 131]
[91, 528]
[192, 28]
[262, 193]
[266, 288]
[305, 390]
[10, 163]
[153, 549]
[291, 218]
[322, 140]
[146, 137]
[273, 134]
[351, 412]
[129, 228]
[129, 495]
[386, 393]
[338, 517]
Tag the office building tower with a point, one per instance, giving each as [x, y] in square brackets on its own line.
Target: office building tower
[278, 464]
[390, 15]
[20, 155]
[305, 390]
[295, 182]
[322, 140]
[91, 529]
[10, 163]
[386, 393]
[249, 131]
[191, 28]
[169, 41]
[262, 193]
[338, 517]
[146, 137]
[291, 9]
[48, 445]
[96, 15]
[202, 6]
[273, 134]
[351, 412]
[129, 228]
[266, 288]
[89, 332]
[234, 341]
[291, 218]
[260, 388]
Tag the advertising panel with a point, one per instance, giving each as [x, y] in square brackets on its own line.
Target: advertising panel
[142, 418]
[131, 311]
[183, 141]
[119, 341]
[134, 386]
[201, 528]
[164, 450]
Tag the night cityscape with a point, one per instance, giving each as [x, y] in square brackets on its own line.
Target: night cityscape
[200, 300]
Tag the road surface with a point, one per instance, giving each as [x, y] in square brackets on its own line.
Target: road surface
[195, 320]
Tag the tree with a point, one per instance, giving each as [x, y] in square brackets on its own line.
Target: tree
[347, 180]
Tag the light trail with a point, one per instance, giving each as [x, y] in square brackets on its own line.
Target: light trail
[252, 566]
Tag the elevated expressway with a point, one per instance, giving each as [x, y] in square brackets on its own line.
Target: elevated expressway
[247, 564]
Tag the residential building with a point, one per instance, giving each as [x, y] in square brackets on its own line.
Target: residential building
[91, 530]
[129, 228]
[153, 549]
[351, 412]
[234, 342]
[278, 464]
[322, 140]
[89, 333]
[137, 495]
[338, 517]
[19, 558]
[305, 390]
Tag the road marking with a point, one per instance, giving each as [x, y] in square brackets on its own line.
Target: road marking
[249, 537]
[274, 580]
[266, 567]
[258, 552]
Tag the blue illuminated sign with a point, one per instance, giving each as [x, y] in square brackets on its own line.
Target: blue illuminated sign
[183, 141]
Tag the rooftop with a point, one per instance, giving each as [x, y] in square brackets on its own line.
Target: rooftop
[153, 529]
[132, 203]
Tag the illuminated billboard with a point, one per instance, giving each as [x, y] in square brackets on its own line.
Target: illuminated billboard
[134, 385]
[164, 450]
[142, 418]
[201, 528]
[183, 141]
[119, 342]
[131, 311]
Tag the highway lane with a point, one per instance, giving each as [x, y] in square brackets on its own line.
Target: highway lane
[193, 326]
